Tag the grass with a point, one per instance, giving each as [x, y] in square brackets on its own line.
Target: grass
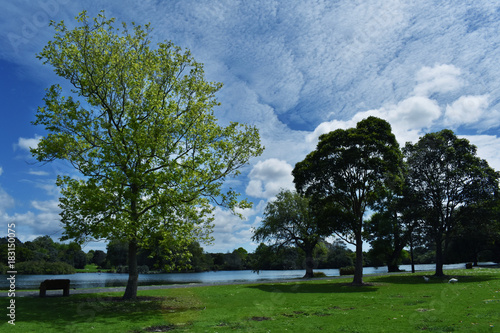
[390, 303]
[91, 268]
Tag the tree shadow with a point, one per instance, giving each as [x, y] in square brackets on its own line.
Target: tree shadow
[62, 313]
[314, 288]
[431, 279]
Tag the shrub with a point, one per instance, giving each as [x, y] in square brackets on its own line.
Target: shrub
[349, 270]
[144, 269]
[319, 274]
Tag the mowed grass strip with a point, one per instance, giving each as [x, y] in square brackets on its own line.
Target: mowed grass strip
[389, 303]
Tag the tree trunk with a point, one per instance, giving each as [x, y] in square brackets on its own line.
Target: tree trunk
[439, 257]
[392, 262]
[309, 264]
[358, 266]
[411, 255]
[133, 276]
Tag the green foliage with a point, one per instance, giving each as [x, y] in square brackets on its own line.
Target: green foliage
[140, 128]
[349, 171]
[43, 267]
[349, 270]
[288, 221]
[282, 258]
[99, 258]
[445, 176]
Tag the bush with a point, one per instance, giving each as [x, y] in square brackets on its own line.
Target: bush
[144, 269]
[122, 269]
[349, 270]
[319, 274]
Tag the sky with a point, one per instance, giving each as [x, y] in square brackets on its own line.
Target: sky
[294, 69]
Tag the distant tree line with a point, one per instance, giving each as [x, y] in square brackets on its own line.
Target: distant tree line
[44, 256]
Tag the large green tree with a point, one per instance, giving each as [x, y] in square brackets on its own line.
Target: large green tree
[289, 221]
[446, 175]
[346, 174]
[139, 127]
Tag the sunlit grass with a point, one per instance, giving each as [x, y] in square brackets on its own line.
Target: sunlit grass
[390, 303]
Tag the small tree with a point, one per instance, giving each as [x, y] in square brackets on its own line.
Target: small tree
[141, 131]
[346, 174]
[288, 221]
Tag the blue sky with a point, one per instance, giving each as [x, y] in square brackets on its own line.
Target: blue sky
[294, 69]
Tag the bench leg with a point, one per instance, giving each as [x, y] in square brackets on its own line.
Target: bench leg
[66, 291]
[42, 292]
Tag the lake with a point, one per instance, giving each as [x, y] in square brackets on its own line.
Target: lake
[97, 280]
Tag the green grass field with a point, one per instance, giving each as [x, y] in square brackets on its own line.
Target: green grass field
[91, 268]
[391, 303]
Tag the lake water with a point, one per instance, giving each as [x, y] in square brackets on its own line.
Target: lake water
[96, 280]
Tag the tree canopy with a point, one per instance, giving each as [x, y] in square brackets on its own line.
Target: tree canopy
[346, 174]
[140, 129]
[287, 221]
[445, 175]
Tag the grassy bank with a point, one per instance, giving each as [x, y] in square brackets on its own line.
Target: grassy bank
[391, 303]
[92, 268]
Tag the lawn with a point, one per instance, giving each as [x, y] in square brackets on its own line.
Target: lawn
[91, 268]
[391, 303]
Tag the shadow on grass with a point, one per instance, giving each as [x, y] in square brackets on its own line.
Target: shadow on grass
[60, 313]
[314, 288]
[419, 279]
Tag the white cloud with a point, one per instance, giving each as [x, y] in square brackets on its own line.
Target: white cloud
[6, 201]
[438, 79]
[466, 110]
[45, 220]
[488, 147]
[409, 118]
[268, 177]
[38, 172]
[1, 170]
[27, 143]
[231, 232]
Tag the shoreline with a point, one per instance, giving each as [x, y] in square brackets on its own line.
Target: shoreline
[58, 293]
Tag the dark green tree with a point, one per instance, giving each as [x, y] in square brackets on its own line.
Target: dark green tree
[477, 228]
[288, 221]
[99, 258]
[116, 254]
[346, 174]
[43, 249]
[445, 175]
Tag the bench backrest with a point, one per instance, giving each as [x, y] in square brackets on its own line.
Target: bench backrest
[55, 284]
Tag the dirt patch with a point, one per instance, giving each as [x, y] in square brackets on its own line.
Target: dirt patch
[260, 318]
[160, 328]
[138, 299]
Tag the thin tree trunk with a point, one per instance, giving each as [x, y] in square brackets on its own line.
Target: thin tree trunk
[133, 276]
[411, 255]
[358, 267]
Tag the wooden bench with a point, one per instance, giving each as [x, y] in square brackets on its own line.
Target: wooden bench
[54, 284]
